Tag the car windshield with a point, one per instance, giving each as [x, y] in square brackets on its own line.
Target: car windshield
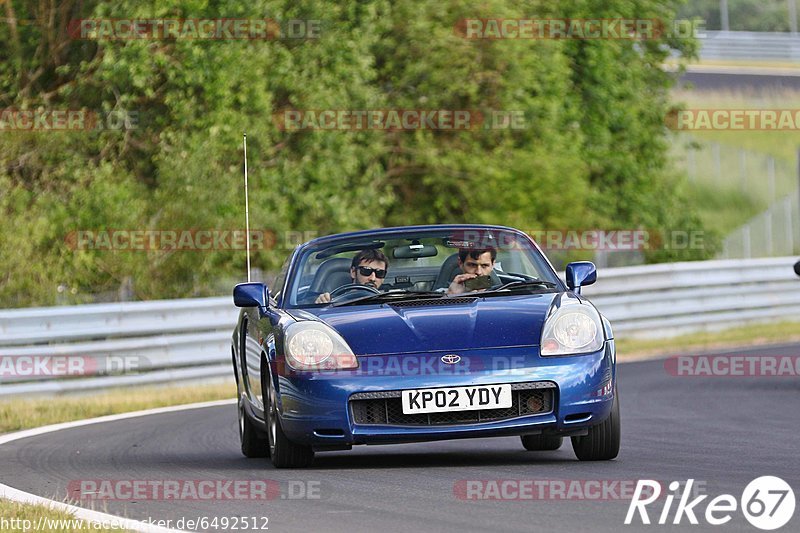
[419, 263]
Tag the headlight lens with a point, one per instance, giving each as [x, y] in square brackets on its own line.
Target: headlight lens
[316, 346]
[572, 329]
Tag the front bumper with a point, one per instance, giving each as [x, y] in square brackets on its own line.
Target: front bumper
[315, 407]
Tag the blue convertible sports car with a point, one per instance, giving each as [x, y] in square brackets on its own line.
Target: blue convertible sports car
[422, 333]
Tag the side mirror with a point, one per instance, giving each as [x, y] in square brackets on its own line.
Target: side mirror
[580, 273]
[251, 295]
[797, 268]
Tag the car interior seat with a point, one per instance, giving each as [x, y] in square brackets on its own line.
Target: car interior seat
[330, 275]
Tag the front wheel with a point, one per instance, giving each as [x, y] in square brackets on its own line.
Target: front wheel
[254, 442]
[602, 442]
[283, 452]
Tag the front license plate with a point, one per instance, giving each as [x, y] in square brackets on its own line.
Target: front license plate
[456, 399]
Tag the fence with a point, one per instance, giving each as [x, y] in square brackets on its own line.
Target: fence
[769, 46]
[188, 340]
[776, 231]
[761, 177]
[766, 184]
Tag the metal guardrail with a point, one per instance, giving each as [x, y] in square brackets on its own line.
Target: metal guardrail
[670, 299]
[148, 342]
[189, 340]
[773, 46]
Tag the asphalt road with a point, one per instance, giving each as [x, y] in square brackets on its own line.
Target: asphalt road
[721, 431]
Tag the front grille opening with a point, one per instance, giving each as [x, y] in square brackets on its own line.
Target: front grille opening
[437, 301]
[329, 432]
[388, 410]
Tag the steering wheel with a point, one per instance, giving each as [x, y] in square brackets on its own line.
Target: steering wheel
[338, 292]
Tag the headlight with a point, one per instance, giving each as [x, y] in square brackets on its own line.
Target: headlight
[572, 329]
[316, 346]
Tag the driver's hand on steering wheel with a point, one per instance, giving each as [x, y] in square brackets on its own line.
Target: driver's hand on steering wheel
[323, 298]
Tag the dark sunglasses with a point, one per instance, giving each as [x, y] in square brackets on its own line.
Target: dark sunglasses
[367, 272]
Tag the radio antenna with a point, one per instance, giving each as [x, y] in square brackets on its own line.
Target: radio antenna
[246, 206]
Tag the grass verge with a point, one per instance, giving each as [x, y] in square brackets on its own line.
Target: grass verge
[21, 413]
[723, 210]
[788, 65]
[752, 335]
[18, 517]
[24, 413]
[781, 144]
[729, 176]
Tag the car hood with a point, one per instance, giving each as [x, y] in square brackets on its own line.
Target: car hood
[492, 322]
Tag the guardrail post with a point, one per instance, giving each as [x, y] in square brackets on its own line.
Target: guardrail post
[787, 211]
[746, 241]
[768, 230]
[771, 174]
[723, 15]
[743, 169]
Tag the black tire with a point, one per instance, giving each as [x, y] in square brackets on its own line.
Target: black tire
[254, 442]
[602, 442]
[541, 443]
[283, 452]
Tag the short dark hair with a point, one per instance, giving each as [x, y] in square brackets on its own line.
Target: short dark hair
[368, 255]
[475, 254]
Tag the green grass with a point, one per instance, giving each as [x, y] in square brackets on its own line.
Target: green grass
[722, 211]
[730, 188]
[21, 413]
[752, 335]
[782, 145]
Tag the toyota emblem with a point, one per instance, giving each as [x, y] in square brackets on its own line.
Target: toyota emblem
[451, 359]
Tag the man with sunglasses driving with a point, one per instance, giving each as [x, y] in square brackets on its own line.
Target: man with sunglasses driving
[369, 268]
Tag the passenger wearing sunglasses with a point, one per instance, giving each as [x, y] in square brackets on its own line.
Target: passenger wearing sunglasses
[369, 268]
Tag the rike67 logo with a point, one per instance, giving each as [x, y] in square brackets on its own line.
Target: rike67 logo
[767, 503]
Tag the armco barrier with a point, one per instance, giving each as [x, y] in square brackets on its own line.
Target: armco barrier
[189, 340]
[168, 340]
[742, 45]
[669, 299]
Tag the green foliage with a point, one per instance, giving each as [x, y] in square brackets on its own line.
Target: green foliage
[743, 15]
[592, 152]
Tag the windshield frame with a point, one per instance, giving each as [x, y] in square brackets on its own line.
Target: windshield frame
[302, 252]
